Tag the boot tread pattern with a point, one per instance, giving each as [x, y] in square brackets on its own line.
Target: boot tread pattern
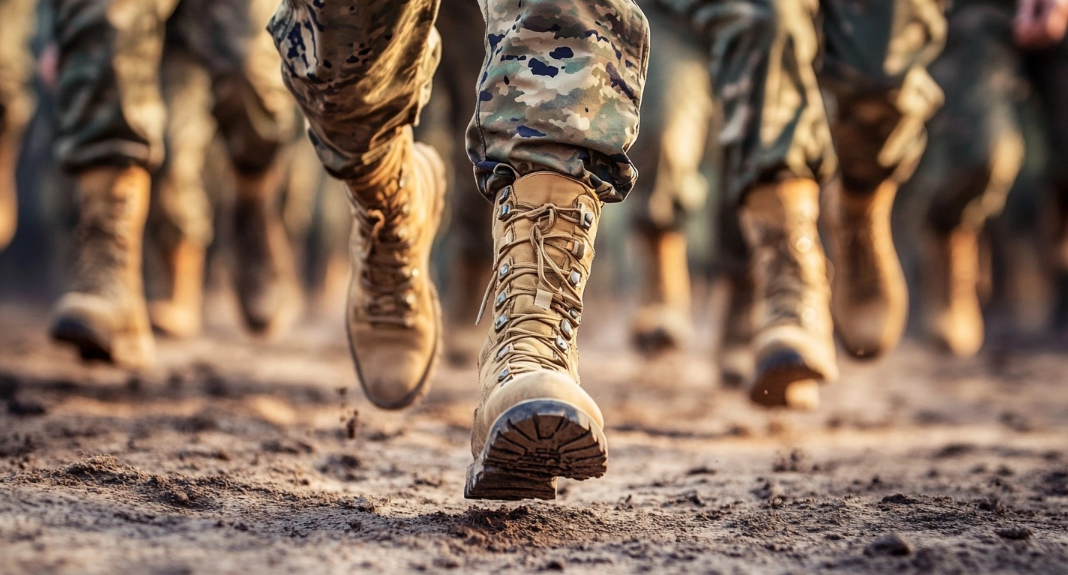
[533, 443]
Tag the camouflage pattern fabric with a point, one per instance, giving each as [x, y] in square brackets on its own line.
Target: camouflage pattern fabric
[109, 99]
[771, 58]
[17, 23]
[977, 137]
[560, 89]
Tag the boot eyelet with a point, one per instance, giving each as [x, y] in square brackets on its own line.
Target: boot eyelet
[504, 351]
[567, 329]
[561, 343]
[409, 300]
[499, 322]
[505, 194]
[501, 298]
[587, 220]
[505, 268]
[504, 375]
[575, 278]
[504, 212]
[574, 313]
[803, 244]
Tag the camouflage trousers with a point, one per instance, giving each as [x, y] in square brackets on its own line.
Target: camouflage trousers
[977, 144]
[17, 23]
[773, 59]
[559, 90]
[111, 110]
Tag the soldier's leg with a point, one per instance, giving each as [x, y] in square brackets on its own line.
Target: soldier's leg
[110, 135]
[1049, 73]
[777, 153]
[875, 66]
[670, 154]
[983, 146]
[181, 212]
[361, 72]
[256, 118]
[17, 19]
[557, 111]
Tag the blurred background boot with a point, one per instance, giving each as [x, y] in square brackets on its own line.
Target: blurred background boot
[955, 317]
[663, 322]
[794, 341]
[394, 317]
[104, 314]
[869, 298]
[735, 353]
[8, 192]
[180, 314]
[266, 281]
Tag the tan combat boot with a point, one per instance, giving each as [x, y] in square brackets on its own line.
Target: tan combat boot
[266, 280]
[736, 360]
[394, 317]
[869, 297]
[663, 322]
[794, 342]
[104, 313]
[180, 315]
[8, 193]
[533, 422]
[955, 319]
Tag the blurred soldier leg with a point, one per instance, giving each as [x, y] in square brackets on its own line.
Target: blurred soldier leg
[255, 116]
[884, 97]
[979, 130]
[111, 136]
[557, 110]
[17, 19]
[670, 153]
[735, 357]
[779, 151]
[181, 213]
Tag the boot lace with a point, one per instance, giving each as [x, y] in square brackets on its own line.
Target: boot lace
[386, 278]
[556, 292]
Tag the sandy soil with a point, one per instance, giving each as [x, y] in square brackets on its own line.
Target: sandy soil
[242, 456]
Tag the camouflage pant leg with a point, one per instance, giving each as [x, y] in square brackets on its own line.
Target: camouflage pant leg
[253, 109]
[109, 101]
[764, 56]
[560, 91]
[676, 120]
[976, 142]
[182, 211]
[360, 71]
[110, 109]
[17, 22]
[875, 65]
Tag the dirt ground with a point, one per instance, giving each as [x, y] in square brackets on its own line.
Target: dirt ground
[237, 456]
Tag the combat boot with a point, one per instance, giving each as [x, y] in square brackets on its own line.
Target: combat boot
[663, 322]
[533, 422]
[8, 192]
[955, 317]
[180, 314]
[869, 298]
[794, 341]
[394, 316]
[736, 361]
[104, 313]
[266, 281]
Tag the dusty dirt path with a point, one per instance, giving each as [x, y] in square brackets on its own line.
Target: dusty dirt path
[241, 457]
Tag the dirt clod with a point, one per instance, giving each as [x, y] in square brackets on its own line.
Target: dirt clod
[889, 544]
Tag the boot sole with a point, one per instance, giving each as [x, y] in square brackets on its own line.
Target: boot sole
[92, 344]
[532, 444]
[775, 375]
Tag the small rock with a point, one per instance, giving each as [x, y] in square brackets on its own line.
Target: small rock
[554, 565]
[890, 544]
[1014, 533]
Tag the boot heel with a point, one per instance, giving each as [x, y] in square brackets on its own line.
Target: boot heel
[533, 443]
